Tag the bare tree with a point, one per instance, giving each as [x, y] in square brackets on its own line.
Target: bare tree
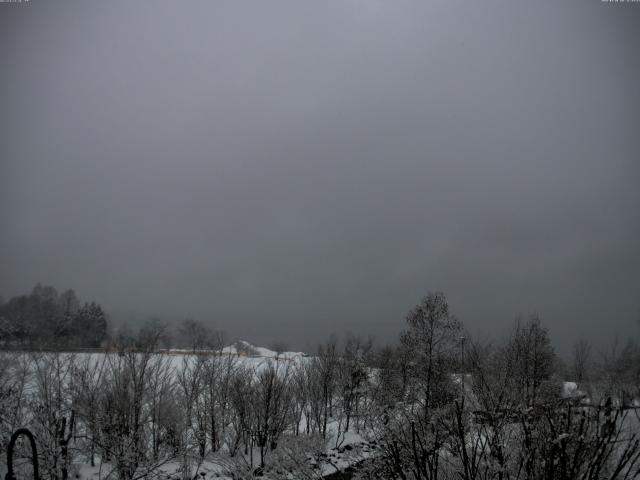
[217, 376]
[353, 376]
[327, 363]
[621, 372]
[195, 335]
[301, 398]
[15, 375]
[431, 336]
[190, 387]
[413, 432]
[241, 390]
[490, 436]
[581, 360]
[88, 376]
[162, 392]
[273, 405]
[126, 411]
[531, 360]
[154, 333]
[53, 417]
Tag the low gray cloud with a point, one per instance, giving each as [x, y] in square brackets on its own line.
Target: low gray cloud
[287, 169]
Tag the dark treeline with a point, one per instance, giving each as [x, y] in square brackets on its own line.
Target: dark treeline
[45, 318]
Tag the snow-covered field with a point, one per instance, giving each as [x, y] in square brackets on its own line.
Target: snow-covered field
[336, 452]
[298, 450]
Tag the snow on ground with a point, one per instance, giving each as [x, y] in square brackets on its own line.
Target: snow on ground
[571, 390]
[243, 348]
[176, 360]
[342, 450]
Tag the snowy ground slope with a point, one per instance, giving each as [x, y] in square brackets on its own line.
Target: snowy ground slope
[241, 348]
[248, 355]
[353, 448]
[341, 449]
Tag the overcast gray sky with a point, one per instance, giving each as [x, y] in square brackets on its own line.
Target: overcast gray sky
[287, 169]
